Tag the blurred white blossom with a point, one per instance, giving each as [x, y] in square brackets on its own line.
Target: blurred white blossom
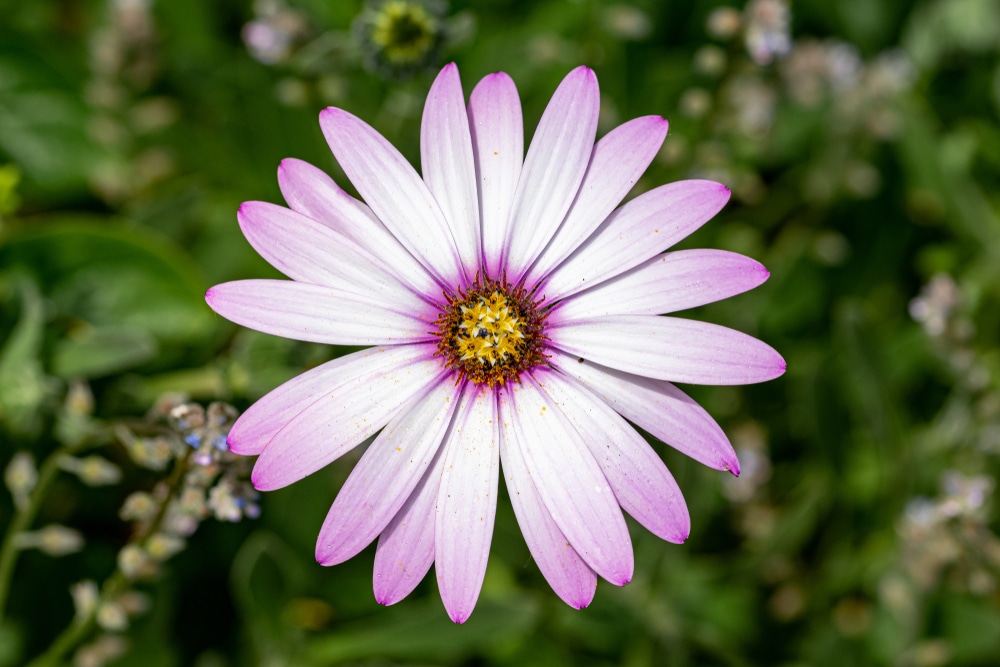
[935, 304]
[767, 30]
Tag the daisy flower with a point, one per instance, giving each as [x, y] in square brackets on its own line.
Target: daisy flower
[514, 316]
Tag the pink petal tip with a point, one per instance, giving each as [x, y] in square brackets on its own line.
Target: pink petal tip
[233, 445]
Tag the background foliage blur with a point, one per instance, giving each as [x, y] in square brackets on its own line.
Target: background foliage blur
[862, 144]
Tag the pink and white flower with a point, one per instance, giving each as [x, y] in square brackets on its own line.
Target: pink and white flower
[514, 313]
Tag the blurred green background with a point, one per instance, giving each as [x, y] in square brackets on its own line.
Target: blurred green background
[862, 144]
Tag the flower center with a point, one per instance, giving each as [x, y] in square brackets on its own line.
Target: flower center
[491, 333]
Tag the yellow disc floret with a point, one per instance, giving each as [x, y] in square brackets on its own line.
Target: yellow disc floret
[491, 333]
[489, 330]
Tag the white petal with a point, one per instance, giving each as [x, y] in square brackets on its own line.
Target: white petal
[657, 407]
[467, 502]
[570, 577]
[311, 192]
[569, 481]
[640, 480]
[668, 283]
[262, 420]
[307, 251]
[405, 549]
[642, 228]
[394, 191]
[346, 413]
[447, 164]
[669, 348]
[619, 159]
[553, 169]
[386, 475]
[498, 144]
[321, 314]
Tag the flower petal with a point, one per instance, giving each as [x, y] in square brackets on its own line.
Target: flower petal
[260, 422]
[640, 480]
[569, 480]
[307, 251]
[394, 191]
[467, 502]
[668, 283]
[568, 575]
[669, 348]
[553, 169]
[405, 549]
[367, 394]
[320, 314]
[312, 193]
[447, 164]
[498, 145]
[387, 474]
[659, 408]
[642, 228]
[619, 159]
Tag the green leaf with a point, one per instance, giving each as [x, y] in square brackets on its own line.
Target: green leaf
[120, 293]
[23, 385]
[11, 645]
[973, 629]
[99, 352]
[428, 634]
[263, 579]
[41, 128]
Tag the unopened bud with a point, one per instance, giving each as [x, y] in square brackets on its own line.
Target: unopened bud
[139, 506]
[79, 400]
[134, 602]
[135, 563]
[20, 476]
[85, 597]
[92, 470]
[52, 540]
[102, 651]
[111, 616]
[724, 22]
[162, 546]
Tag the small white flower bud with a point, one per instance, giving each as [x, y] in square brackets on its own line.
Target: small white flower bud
[97, 471]
[724, 22]
[52, 540]
[111, 616]
[134, 562]
[20, 476]
[134, 602]
[92, 470]
[79, 400]
[85, 596]
[162, 546]
[139, 506]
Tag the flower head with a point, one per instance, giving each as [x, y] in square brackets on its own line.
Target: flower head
[400, 38]
[513, 310]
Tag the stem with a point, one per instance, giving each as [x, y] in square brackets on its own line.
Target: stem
[80, 628]
[23, 518]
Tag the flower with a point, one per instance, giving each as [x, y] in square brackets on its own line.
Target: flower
[513, 314]
[400, 38]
